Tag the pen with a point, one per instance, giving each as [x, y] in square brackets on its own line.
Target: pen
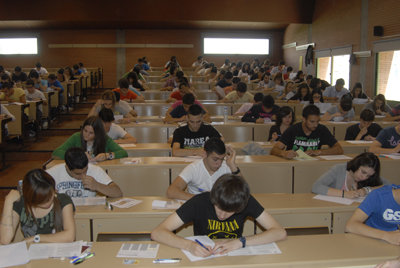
[170, 260]
[198, 242]
[200, 190]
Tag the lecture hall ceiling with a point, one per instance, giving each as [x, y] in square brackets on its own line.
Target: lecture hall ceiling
[155, 14]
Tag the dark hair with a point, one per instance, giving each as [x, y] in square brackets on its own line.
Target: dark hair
[179, 74]
[298, 95]
[188, 99]
[5, 77]
[75, 158]
[353, 91]
[117, 96]
[39, 187]
[258, 97]
[340, 82]
[276, 76]
[215, 145]
[75, 66]
[100, 137]
[29, 82]
[18, 69]
[183, 85]
[80, 64]
[214, 69]
[370, 160]
[123, 83]
[227, 61]
[244, 70]
[382, 98]
[282, 112]
[33, 74]
[60, 71]
[199, 57]
[241, 87]
[309, 77]
[298, 75]
[38, 65]
[281, 62]
[314, 83]
[195, 109]
[268, 101]
[316, 91]
[230, 193]
[235, 80]
[367, 115]
[106, 115]
[346, 103]
[228, 75]
[6, 85]
[311, 110]
[109, 95]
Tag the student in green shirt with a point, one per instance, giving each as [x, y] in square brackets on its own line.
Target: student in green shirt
[94, 140]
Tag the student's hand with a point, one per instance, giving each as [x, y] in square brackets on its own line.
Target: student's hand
[12, 196]
[363, 131]
[390, 264]
[392, 237]
[369, 138]
[313, 152]
[354, 194]
[89, 182]
[289, 154]
[223, 247]
[260, 121]
[100, 157]
[29, 239]
[230, 156]
[274, 136]
[338, 114]
[198, 250]
[379, 112]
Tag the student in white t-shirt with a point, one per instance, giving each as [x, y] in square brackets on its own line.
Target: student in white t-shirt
[114, 131]
[201, 175]
[78, 178]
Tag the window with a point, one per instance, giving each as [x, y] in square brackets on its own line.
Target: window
[10, 46]
[388, 74]
[244, 46]
[324, 66]
[334, 67]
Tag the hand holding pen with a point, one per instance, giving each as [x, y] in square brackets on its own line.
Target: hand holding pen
[198, 249]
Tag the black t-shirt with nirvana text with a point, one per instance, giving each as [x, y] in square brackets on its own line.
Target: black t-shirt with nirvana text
[190, 140]
[294, 138]
[201, 212]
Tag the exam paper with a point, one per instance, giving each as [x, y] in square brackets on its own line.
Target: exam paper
[126, 203]
[335, 199]
[89, 201]
[392, 156]
[335, 157]
[127, 145]
[359, 142]
[176, 159]
[130, 160]
[301, 156]
[172, 204]
[131, 250]
[14, 254]
[54, 250]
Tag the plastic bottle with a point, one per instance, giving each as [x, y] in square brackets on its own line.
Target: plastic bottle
[225, 114]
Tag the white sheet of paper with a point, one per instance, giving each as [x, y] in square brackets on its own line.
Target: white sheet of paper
[205, 240]
[392, 156]
[334, 199]
[359, 142]
[126, 203]
[172, 204]
[127, 145]
[54, 250]
[132, 250]
[335, 157]
[176, 159]
[130, 160]
[89, 201]
[14, 254]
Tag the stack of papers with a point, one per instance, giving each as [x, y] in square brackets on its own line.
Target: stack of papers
[339, 200]
[89, 201]
[172, 204]
[131, 250]
[126, 203]
[14, 254]
[54, 250]
[335, 157]
[265, 249]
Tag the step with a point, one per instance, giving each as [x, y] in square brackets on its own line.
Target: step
[28, 155]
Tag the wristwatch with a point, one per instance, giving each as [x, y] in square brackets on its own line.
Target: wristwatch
[110, 156]
[243, 240]
[36, 238]
[237, 171]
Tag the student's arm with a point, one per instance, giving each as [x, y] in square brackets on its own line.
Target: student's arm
[178, 151]
[279, 150]
[177, 190]
[65, 236]
[335, 149]
[73, 141]
[376, 148]
[274, 232]
[110, 190]
[128, 138]
[356, 225]
[231, 159]
[327, 116]
[169, 119]
[22, 99]
[9, 219]
[93, 111]
[139, 99]
[251, 116]
[163, 234]
[117, 150]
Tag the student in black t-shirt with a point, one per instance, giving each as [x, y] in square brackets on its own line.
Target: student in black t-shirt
[307, 136]
[189, 139]
[284, 119]
[178, 114]
[220, 213]
[259, 113]
[365, 130]
[223, 83]
[19, 75]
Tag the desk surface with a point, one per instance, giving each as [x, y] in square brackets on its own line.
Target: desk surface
[339, 250]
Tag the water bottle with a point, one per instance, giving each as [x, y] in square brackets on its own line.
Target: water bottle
[191, 79]
[225, 114]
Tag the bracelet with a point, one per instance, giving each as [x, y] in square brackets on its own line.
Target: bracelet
[367, 189]
[237, 171]
[342, 193]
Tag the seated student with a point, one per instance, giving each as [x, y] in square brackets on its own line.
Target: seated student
[223, 83]
[377, 216]
[178, 95]
[307, 136]
[357, 92]
[93, 139]
[342, 112]
[32, 94]
[110, 100]
[114, 131]
[308, 79]
[299, 78]
[284, 119]
[135, 84]
[12, 94]
[4, 71]
[79, 178]
[240, 95]
[177, 113]
[212, 76]
[220, 213]
[387, 141]
[277, 83]
[258, 97]
[264, 112]
[233, 87]
[316, 96]
[40, 70]
[60, 75]
[39, 83]
[334, 93]
[353, 179]
[365, 130]
[199, 62]
[226, 65]
[200, 175]
[170, 80]
[394, 114]
[54, 84]
[4, 113]
[189, 139]
[379, 105]
[82, 68]
[265, 82]
[289, 91]
[302, 94]
[289, 71]
[126, 94]
[77, 70]
[44, 215]
[18, 75]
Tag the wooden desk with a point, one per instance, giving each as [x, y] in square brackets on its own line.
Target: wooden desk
[16, 127]
[33, 107]
[339, 250]
[148, 149]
